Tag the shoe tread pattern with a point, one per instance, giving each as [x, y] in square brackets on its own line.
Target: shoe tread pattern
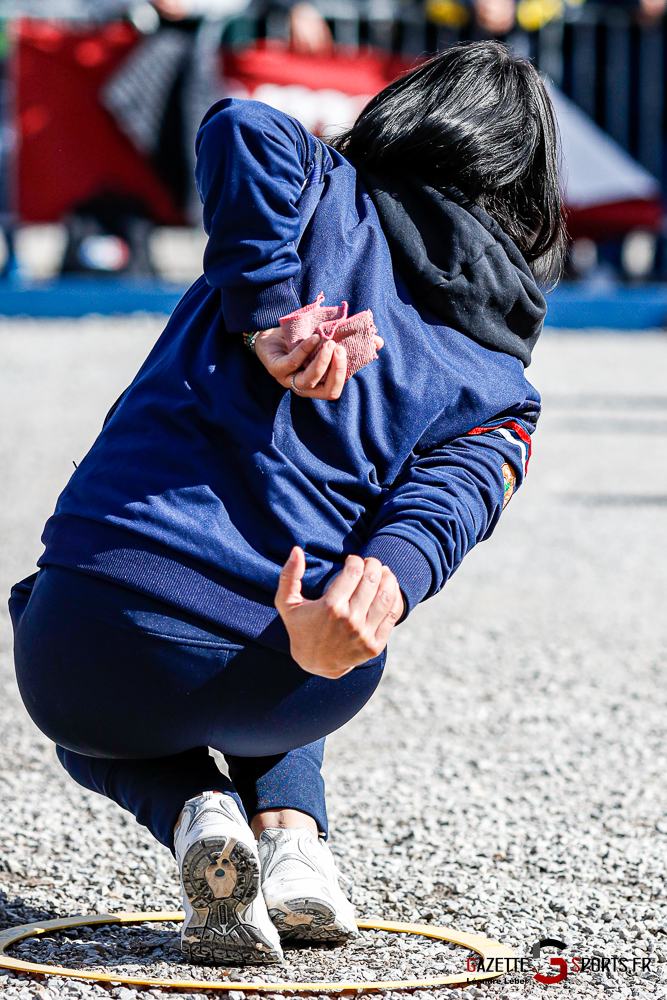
[216, 933]
[318, 921]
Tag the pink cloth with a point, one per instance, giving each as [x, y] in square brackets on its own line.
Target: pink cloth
[355, 333]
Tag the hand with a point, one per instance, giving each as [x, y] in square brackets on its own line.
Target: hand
[495, 16]
[651, 10]
[171, 10]
[349, 624]
[323, 377]
[309, 32]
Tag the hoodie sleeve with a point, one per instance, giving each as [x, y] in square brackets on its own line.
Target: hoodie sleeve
[450, 498]
[250, 171]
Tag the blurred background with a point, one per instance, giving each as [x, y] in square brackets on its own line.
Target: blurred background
[100, 102]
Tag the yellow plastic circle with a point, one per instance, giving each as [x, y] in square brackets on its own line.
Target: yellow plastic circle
[485, 947]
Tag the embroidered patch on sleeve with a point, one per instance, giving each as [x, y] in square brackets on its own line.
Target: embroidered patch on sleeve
[509, 478]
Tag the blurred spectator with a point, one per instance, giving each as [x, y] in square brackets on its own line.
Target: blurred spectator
[162, 92]
[499, 17]
[648, 11]
[651, 10]
[494, 17]
[309, 32]
[159, 95]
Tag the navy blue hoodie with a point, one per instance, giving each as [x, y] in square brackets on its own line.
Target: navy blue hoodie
[208, 471]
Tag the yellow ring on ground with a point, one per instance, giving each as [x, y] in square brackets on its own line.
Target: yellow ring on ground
[483, 946]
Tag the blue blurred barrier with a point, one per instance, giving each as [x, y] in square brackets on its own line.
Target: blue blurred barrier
[71, 297]
[571, 306]
[576, 307]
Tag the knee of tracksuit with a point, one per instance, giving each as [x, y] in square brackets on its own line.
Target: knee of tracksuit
[90, 772]
[18, 599]
[154, 790]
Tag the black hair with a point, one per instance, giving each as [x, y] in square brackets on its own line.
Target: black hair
[476, 117]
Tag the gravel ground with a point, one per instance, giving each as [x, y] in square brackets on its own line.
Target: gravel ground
[509, 776]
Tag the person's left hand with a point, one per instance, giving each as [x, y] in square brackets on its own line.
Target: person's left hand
[495, 16]
[651, 10]
[323, 377]
[309, 32]
[349, 624]
[171, 10]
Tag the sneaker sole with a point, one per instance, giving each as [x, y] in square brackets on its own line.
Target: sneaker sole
[306, 919]
[216, 934]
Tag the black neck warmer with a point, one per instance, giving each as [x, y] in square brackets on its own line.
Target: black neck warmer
[458, 263]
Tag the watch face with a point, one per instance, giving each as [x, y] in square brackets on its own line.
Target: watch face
[509, 478]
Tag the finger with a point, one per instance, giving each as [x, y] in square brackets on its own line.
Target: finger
[387, 624]
[383, 602]
[333, 384]
[289, 585]
[379, 342]
[365, 593]
[332, 387]
[316, 369]
[339, 593]
[291, 362]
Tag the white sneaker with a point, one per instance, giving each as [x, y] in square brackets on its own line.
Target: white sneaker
[300, 886]
[226, 920]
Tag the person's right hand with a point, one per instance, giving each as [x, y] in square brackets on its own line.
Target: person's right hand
[171, 10]
[309, 32]
[651, 10]
[495, 16]
[349, 624]
[323, 377]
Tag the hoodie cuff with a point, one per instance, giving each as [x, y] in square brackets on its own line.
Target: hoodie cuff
[248, 309]
[408, 564]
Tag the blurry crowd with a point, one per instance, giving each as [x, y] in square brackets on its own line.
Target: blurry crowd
[310, 33]
[158, 95]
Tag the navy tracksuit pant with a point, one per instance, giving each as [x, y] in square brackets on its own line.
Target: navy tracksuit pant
[134, 691]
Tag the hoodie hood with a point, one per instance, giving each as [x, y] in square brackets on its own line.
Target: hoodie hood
[458, 263]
